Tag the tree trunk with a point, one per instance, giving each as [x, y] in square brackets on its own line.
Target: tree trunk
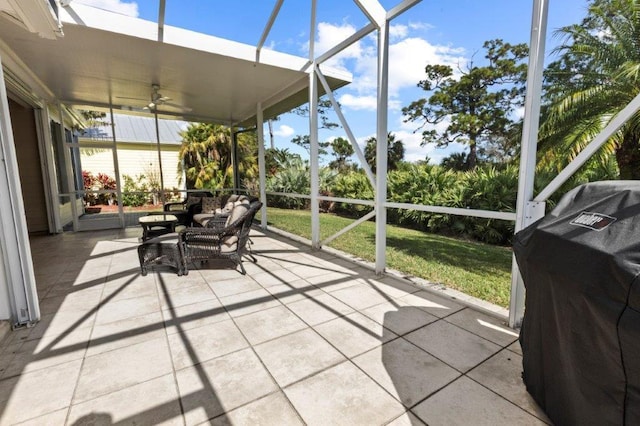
[628, 157]
[472, 159]
[270, 122]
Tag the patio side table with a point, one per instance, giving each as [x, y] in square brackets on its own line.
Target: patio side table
[157, 224]
[163, 250]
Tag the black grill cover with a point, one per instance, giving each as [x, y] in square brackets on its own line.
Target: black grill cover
[581, 331]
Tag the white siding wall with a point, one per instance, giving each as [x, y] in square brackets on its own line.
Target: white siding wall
[134, 162]
[66, 214]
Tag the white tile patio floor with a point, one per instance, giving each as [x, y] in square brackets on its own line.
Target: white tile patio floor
[304, 338]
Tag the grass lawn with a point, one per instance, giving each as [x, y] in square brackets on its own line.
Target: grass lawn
[479, 270]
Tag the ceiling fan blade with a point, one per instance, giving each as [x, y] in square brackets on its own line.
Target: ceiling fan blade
[178, 106]
[134, 99]
[130, 108]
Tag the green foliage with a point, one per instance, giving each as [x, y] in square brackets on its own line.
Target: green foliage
[342, 151]
[478, 105]
[294, 179]
[395, 152]
[134, 191]
[485, 188]
[205, 156]
[354, 185]
[456, 161]
[596, 76]
[324, 107]
[277, 159]
[304, 141]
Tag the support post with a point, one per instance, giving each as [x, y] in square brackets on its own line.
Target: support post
[116, 170]
[68, 164]
[234, 159]
[526, 211]
[314, 158]
[381, 148]
[313, 133]
[45, 145]
[15, 250]
[155, 116]
[261, 165]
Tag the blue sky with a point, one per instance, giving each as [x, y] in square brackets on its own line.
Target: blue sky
[432, 32]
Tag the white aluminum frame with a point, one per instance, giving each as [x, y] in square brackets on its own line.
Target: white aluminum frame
[15, 248]
[526, 211]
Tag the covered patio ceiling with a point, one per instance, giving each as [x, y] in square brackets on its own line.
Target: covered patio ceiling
[108, 59]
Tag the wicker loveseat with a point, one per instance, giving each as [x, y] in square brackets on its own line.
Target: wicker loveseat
[218, 208]
[224, 236]
[190, 206]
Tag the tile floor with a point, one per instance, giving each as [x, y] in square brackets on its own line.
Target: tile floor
[303, 338]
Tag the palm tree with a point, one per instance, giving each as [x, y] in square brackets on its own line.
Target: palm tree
[597, 75]
[395, 152]
[206, 156]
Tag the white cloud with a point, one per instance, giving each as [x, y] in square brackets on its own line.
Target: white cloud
[118, 6]
[398, 31]
[284, 131]
[411, 136]
[358, 102]
[412, 150]
[408, 56]
[329, 35]
[417, 26]
[407, 60]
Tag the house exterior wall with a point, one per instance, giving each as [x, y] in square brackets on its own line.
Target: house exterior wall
[134, 161]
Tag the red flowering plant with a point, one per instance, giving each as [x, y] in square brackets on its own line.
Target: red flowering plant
[104, 181]
[89, 181]
[96, 183]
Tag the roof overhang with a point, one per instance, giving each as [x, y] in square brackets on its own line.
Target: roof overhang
[109, 59]
[37, 16]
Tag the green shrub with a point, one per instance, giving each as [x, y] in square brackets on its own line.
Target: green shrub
[353, 185]
[132, 191]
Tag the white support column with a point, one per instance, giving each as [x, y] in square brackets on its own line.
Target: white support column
[155, 116]
[18, 281]
[527, 211]
[381, 148]
[314, 159]
[45, 145]
[261, 165]
[313, 134]
[68, 165]
[234, 158]
[116, 169]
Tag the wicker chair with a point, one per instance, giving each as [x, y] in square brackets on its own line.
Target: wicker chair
[222, 238]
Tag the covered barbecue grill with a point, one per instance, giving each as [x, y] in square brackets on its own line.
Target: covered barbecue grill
[581, 331]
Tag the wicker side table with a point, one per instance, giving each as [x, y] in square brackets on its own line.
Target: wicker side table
[164, 250]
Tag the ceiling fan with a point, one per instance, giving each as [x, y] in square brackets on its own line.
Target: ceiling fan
[157, 100]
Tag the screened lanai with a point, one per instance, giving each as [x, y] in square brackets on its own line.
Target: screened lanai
[307, 336]
[98, 59]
